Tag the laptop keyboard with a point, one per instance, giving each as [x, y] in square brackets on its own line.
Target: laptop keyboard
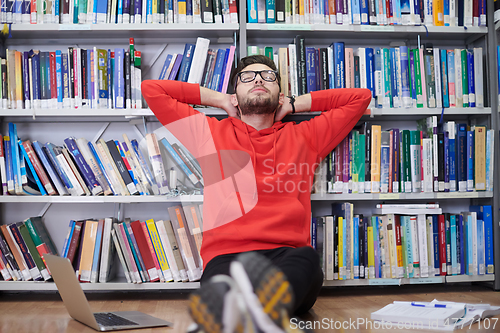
[110, 319]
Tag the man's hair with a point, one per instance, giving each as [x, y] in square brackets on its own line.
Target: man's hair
[254, 59]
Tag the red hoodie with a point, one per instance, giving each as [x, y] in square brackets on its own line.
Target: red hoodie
[257, 183]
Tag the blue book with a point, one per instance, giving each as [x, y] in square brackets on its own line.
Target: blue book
[187, 57]
[488, 239]
[85, 170]
[175, 68]
[40, 188]
[9, 172]
[97, 252]
[110, 80]
[460, 244]
[446, 12]
[149, 12]
[252, 11]
[64, 252]
[394, 78]
[379, 77]
[370, 70]
[311, 66]
[65, 79]
[47, 67]
[130, 172]
[219, 60]
[137, 11]
[461, 163]
[16, 163]
[223, 71]
[35, 66]
[413, 82]
[54, 176]
[339, 64]
[59, 78]
[119, 80]
[355, 12]
[444, 78]
[26, 80]
[101, 166]
[446, 162]
[51, 153]
[178, 161]
[385, 150]
[405, 79]
[270, 8]
[468, 242]
[376, 248]
[364, 12]
[313, 233]
[470, 161]
[416, 10]
[165, 67]
[470, 78]
[480, 248]
[450, 59]
[453, 244]
[355, 226]
[145, 166]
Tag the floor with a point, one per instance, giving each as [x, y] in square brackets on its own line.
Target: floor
[344, 309]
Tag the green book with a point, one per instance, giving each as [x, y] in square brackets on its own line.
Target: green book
[403, 245]
[268, 52]
[354, 163]
[418, 79]
[102, 78]
[430, 78]
[465, 80]
[23, 230]
[43, 233]
[361, 160]
[387, 79]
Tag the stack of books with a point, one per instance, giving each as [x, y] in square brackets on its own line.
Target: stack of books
[22, 247]
[404, 241]
[148, 251]
[449, 157]
[121, 12]
[399, 77]
[108, 167]
[391, 12]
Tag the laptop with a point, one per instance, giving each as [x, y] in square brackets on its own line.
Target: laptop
[79, 309]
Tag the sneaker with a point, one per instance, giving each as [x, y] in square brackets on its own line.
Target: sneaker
[266, 290]
[219, 307]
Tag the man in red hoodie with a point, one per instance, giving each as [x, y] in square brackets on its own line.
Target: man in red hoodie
[258, 174]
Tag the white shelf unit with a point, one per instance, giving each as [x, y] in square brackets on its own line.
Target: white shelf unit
[246, 34]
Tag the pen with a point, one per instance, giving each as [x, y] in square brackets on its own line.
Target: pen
[429, 305]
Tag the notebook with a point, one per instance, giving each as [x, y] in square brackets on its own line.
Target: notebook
[79, 309]
[435, 315]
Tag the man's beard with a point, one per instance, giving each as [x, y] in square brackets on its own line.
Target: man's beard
[257, 105]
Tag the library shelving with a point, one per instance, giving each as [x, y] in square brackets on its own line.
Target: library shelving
[45, 124]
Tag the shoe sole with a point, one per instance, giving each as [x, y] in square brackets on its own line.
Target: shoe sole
[270, 285]
[206, 307]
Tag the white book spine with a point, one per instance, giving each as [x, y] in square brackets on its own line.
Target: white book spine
[427, 165]
[430, 246]
[415, 247]
[458, 79]
[478, 76]
[173, 272]
[77, 188]
[437, 80]
[422, 245]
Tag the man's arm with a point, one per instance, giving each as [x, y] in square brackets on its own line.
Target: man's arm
[302, 104]
[219, 100]
[343, 109]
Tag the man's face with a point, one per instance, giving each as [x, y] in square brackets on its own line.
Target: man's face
[258, 96]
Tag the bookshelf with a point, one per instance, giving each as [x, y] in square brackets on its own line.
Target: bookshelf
[154, 39]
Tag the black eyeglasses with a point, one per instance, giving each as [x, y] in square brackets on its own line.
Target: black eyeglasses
[266, 75]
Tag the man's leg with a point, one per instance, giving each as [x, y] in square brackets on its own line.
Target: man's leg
[216, 266]
[302, 269]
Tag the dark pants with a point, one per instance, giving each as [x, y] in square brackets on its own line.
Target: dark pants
[300, 265]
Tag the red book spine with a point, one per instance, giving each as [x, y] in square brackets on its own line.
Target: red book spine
[75, 241]
[442, 245]
[144, 249]
[475, 13]
[39, 168]
[33, 12]
[53, 77]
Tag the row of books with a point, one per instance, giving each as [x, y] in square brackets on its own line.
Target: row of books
[79, 78]
[200, 64]
[148, 251]
[366, 12]
[108, 167]
[118, 11]
[398, 77]
[404, 241]
[448, 158]
[22, 247]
